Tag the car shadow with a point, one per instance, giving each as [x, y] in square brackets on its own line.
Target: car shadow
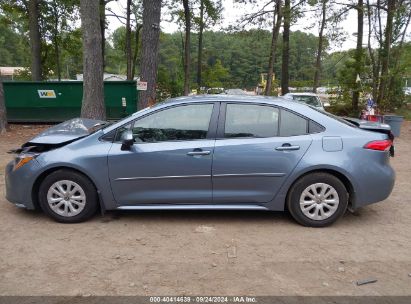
[363, 216]
[216, 216]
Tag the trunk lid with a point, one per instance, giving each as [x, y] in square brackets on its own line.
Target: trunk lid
[370, 125]
[374, 127]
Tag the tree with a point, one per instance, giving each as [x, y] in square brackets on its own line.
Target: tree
[285, 77]
[3, 113]
[388, 22]
[216, 75]
[136, 49]
[187, 45]
[93, 91]
[58, 18]
[170, 71]
[35, 40]
[14, 49]
[72, 53]
[358, 54]
[317, 72]
[244, 53]
[263, 16]
[328, 16]
[137, 11]
[149, 50]
[55, 36]
[397, 71]
[275, 32]
[129, 48]
[103, 24]
[209, 14]
[129, 55]
[386, 49]
[201, 26]
[371, 52]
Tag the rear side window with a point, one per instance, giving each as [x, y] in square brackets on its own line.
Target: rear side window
[314, 127]
[292, 124]
[244, 120]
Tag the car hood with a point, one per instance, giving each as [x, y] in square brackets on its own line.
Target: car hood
[67, 131]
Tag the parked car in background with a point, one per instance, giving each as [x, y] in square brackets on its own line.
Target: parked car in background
[206, 152]
[311, 99]
[215, 90]
[322, 90]
[235, 92]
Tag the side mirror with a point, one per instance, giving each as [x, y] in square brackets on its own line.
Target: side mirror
[127, 140]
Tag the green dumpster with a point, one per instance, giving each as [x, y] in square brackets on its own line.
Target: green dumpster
[30, 101]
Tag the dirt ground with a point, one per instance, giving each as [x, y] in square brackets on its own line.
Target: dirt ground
[207, 253]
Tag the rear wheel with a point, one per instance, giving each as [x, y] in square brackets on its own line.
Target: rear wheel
[317, 200]
[68, 196]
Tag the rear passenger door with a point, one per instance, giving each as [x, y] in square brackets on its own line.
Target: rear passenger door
[257, 147]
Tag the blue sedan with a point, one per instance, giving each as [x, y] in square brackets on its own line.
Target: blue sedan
[207, 152]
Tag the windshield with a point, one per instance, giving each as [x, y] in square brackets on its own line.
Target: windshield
[310, 100]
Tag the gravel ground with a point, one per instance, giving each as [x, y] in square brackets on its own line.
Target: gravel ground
[207, 253]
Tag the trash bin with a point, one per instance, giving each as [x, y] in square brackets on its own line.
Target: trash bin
[395, 123]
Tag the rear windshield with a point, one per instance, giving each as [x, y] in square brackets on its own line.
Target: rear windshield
[340, 119]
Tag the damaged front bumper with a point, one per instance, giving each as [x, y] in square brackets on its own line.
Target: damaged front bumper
[20, 182]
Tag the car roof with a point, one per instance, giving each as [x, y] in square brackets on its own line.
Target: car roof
[224, 97]
[281, 101]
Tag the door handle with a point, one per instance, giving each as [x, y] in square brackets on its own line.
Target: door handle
[198, 153]
[287, 147]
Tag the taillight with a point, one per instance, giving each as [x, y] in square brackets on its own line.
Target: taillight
[379, 145]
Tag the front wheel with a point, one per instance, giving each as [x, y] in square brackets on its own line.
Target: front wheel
[317, 200]
[68, 196]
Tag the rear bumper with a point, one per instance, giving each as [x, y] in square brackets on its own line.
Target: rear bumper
[375, 186]
[19, 184]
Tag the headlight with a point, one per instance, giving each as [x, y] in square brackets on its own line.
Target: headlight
[23, 159]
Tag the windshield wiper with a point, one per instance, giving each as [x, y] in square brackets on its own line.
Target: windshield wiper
[99, 126]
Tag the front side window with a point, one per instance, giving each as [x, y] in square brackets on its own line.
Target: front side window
[188, 122]
[244, 120]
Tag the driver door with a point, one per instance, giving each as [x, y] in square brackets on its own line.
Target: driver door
[170, 160]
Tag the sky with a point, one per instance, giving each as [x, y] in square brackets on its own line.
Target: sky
[233, 12]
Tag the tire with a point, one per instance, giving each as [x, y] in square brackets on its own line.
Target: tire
[63, 206]
[309, 208]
